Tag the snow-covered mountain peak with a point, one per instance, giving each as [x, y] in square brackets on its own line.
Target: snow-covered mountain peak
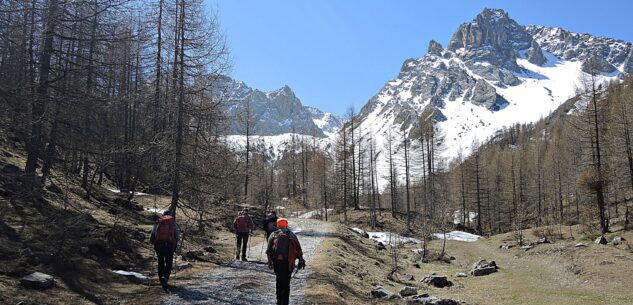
[494, 73]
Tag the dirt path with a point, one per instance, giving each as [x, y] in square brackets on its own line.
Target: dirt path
[251, 282]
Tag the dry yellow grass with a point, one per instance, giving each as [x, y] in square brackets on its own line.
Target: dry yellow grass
[559, 273]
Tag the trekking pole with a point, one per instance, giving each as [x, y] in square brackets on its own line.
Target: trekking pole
[237, 253]
[249, 245]
[262, 250]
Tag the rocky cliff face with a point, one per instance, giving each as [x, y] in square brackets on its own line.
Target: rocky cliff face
[493, 73]
[273, 113]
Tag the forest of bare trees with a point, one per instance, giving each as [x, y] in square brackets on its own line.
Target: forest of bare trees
[126, 90]
[131, 91]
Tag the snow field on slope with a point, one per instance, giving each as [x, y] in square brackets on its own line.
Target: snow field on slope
[458, 236]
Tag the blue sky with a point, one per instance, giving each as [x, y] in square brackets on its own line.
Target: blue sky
[337, 53]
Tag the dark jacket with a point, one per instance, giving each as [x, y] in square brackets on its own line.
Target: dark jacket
[270, 223]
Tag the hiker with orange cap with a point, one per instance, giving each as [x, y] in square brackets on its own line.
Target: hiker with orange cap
[283, 249]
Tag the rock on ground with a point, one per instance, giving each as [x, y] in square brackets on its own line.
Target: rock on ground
[408, 291]
[437, 281]
[38, 280]
[484, 267]
[380, 293]
[601, 240]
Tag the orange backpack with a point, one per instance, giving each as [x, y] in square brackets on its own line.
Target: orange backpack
[165, 230]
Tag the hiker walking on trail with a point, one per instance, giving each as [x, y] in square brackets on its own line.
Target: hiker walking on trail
[243, 226]
[283, 249]
[270, 223]
[164, 237]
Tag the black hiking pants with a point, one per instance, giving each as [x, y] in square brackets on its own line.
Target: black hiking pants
[242, 243]
[165, 253]
[283, 274]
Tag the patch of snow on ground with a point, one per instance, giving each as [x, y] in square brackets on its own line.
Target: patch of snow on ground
[130, 273]
[458, 236]
[156, 210]
[388, 238]
[314, 213]
[117, 191]
[359, 231]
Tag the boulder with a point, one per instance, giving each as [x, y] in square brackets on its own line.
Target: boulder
[617, 240]
[506, 246]
[408, 291]
[601, 240]
[184, 265]
[380, 293]
[138, 235]
[11, 169]
[543, 240]
[194, 255]
[403, 277]
[437, 281]
[380, 246]
[484, 267]
[37, 280]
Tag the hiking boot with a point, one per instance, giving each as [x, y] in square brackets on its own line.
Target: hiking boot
[237, 257]
[163, 282]
[244, 259]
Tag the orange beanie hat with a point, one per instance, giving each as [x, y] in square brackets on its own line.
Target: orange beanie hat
[282, 223]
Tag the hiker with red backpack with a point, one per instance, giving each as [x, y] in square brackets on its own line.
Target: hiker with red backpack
[243, 226]
[283, 249]
[164, 237]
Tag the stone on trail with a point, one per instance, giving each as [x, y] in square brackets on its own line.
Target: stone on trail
[483, 267]
[578, 245]
[37, 280]
[194, 255]
[408, 291]
[601, 240]
[437, 281]
[461, 274]
[380, 293]
[210, 249]
[184, 265]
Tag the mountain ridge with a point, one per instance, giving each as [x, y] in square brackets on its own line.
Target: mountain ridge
[273, 112]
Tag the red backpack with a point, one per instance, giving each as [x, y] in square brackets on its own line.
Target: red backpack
[165, 230]
[281, 245]
[243, 223]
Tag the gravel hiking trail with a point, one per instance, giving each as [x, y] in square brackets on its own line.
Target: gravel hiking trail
[251, 282]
